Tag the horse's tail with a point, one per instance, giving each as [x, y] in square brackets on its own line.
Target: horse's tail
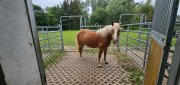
[77, 45]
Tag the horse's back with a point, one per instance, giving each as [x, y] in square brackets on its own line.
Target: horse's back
[85, 36]
[85, 33]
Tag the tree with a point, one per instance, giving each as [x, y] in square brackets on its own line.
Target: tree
[149, 10]
[97, 3]
[40, 16]
[118, 7]
[76, 9]
[72, 7]
[100, 16]
[37, 8]
[146, 8]
[54, 14]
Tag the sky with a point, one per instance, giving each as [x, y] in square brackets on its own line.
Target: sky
[51, 3]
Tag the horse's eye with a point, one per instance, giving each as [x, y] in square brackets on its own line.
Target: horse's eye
[112, 30]
[119, 30]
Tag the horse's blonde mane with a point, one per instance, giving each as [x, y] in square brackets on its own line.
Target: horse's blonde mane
[103, 32]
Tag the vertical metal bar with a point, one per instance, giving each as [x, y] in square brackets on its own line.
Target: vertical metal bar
[146, 49]
[139, 36]
[36, 41]
[44, 36]
[173, 74]
[80, 21]
[48, 40]
[145, 18]
[120, 18]
[62, 42]
[127, 39]
[118, 44]
[140, 29]
[61, 22]
[59, 36]
[141, 18]
[85, 21]
[170, 25]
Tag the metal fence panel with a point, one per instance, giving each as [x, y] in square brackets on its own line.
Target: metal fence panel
[135, 46]
[51, 40]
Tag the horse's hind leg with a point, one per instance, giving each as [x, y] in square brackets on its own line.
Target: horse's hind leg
[80, 51]
[105, 51]
[79, 47]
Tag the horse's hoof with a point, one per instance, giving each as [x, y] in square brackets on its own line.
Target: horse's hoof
[99, 65]
[82, 58]
[106, 63]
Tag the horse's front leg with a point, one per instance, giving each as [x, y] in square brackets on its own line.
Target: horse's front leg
[105, 51]
[99, 56]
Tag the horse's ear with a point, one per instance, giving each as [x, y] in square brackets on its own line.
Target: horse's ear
[112, 23]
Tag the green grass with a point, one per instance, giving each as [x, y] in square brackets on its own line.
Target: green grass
[52, 58]
[69, 38]
[135, 75]
[132, 41]
[173, 41]
[46, 41]
[127, 64]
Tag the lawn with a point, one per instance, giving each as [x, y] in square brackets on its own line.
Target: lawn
[69, 38]
[123, 38]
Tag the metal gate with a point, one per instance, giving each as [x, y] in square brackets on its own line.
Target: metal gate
[51, 42]
[135, 46]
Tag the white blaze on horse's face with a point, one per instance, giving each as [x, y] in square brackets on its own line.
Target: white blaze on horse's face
[115, 33]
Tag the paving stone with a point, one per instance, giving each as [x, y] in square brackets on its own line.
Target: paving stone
[71, 70]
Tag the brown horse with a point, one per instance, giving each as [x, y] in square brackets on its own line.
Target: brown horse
[100, 39]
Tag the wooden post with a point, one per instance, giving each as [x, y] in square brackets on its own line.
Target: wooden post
[153, 63]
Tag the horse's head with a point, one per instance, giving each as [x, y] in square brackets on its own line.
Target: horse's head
[115, 31]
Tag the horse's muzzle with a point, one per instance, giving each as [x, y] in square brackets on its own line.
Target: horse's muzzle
[115, 41]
